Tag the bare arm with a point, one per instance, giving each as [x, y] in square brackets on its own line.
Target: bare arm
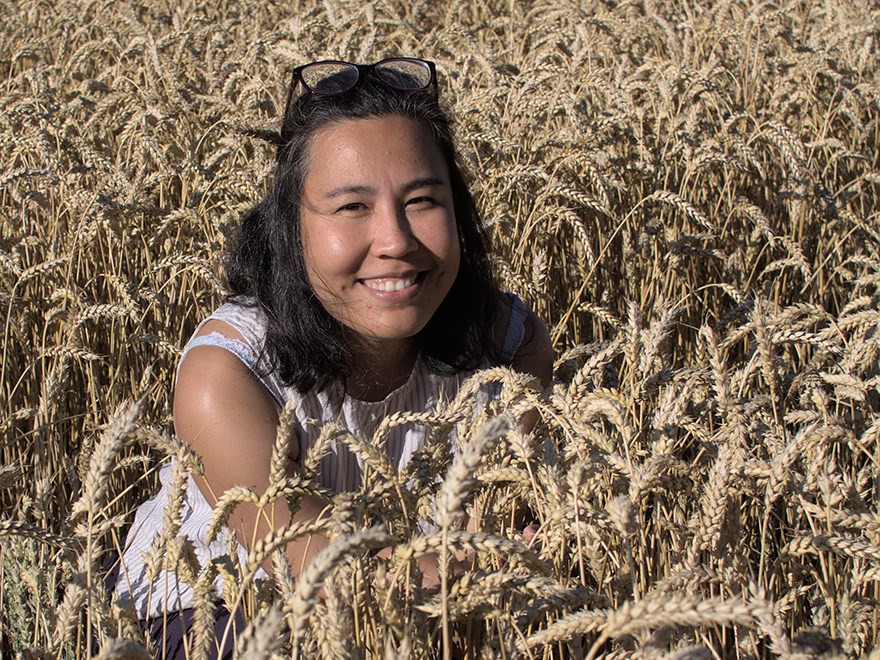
[230, 420]
[535, 354]
[534, 357]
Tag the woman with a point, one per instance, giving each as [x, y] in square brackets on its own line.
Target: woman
[360, 286]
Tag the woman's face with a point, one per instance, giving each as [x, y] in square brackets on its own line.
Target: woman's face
[378, 229]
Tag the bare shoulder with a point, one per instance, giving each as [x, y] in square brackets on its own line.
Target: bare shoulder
[224, 413]
[211, 376]
[535, 354]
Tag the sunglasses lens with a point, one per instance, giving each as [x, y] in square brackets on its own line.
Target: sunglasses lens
[329, 78]
[404, 74]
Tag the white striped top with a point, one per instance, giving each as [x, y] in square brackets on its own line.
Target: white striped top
[340, 469]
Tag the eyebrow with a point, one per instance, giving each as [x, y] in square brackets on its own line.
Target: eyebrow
[415, 184]
[425, 182]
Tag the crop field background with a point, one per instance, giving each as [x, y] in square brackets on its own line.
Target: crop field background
[686, 192]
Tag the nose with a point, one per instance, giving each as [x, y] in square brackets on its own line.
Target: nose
[392, 232]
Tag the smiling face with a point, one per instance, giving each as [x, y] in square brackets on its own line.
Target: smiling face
[378, 229]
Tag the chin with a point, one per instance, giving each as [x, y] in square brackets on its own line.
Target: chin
[390, 332]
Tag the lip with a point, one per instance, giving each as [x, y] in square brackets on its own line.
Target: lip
[417, 277]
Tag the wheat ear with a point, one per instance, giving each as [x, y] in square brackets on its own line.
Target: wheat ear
[117, 431]
[313, 576]
[122, 649]
[652, 612]
[262, 636]
[459, 478]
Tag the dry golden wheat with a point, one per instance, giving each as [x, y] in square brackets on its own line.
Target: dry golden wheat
[686, 193]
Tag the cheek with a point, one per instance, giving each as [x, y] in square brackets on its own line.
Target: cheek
[439, 235]
[314, 255]
[328, 255]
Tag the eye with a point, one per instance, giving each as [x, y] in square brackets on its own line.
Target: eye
[352, 207]
[423, 202]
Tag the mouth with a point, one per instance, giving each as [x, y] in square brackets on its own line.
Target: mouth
[386, 284]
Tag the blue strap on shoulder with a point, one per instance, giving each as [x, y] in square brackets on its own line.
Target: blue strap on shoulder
[516, 327]
[240, 349]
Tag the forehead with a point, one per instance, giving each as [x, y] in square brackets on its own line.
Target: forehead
[390, 144]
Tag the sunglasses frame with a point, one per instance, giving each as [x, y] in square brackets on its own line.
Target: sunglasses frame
[362, 71]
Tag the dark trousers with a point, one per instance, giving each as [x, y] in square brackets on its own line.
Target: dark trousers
[167, 633]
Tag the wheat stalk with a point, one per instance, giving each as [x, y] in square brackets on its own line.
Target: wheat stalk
[311, 578]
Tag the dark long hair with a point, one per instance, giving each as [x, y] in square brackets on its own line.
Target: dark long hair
[265, 264]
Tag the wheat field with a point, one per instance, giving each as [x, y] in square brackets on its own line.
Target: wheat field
[687, 194]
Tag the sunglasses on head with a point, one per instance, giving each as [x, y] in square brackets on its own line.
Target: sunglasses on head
[334, 77]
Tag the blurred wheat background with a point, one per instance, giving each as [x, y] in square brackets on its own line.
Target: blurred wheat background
[687, 193]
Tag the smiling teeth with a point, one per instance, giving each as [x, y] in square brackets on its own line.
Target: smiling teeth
[390, 285]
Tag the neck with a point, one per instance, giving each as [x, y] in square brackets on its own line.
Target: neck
[380, 368]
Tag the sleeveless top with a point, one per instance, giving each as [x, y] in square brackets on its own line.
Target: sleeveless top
[339, 470]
